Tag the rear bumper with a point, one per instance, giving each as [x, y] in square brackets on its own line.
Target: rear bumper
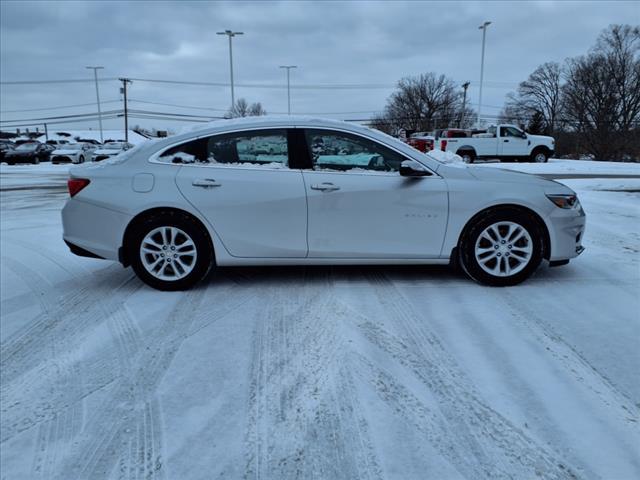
[93, 230]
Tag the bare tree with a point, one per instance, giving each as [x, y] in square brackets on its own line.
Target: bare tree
[424, 102]
[540, 96]
[243, 109]
[602, 93]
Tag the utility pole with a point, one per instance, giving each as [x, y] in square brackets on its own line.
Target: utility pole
[95, 76]
[231, 34]
[288, 67]
[465, 85]
[46, 133]
[125, 81]
[482, 27]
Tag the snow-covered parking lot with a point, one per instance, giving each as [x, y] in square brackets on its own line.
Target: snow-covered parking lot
[329, 373]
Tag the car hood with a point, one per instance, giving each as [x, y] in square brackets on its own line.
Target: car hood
[540, 138]
[62, 151]
[492, 174]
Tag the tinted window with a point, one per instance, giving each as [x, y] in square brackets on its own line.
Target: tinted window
[331, 150]
[255, 147]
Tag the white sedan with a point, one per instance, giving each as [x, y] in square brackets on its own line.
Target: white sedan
[324, 193]
[73, 153]
[109, 150]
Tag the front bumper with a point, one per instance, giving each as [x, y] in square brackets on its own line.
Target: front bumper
[61, 159]
[567, 233]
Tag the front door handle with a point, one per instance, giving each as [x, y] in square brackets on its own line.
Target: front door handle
[325, 187]
[205, 183]
[506, 141]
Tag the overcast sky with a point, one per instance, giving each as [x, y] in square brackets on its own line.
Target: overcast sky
[372, 44]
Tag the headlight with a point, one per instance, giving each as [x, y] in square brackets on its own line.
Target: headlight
[564, 201]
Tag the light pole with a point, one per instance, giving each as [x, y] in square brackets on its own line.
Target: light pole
[482, 27]
[95, 76]
[231, 34]
[288, 67]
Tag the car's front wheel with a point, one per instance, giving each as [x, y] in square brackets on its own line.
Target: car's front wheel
[170, 251]
[502, 248]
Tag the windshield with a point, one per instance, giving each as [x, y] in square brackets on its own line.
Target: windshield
[27, 147]
[72, 146]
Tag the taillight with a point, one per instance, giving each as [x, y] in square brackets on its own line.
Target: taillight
[77, 184]
[443, 145]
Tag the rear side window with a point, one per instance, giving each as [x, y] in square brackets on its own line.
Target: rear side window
[258, 147]
[331, 150]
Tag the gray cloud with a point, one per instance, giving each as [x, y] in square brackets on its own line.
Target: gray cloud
[332, 42]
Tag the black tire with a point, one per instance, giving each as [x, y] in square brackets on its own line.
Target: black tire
[468, 156]
[466, 247]
[204, 258]
[539, 156]
[36, 161]
[81, 159]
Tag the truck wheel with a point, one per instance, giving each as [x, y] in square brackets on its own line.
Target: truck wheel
[468, 156]
[539, 156]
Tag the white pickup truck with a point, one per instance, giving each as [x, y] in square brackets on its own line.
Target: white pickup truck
[504, 142]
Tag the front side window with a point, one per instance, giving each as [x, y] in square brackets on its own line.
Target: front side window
[265, 147]
[510, 132]
[330, 150]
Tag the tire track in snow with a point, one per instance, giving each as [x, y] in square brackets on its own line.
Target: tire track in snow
[300, 424]
[66, 313]
[34, 361]
[485, 444]
[124, 437]
[571, 360]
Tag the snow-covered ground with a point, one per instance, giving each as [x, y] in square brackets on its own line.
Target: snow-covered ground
[330, 373]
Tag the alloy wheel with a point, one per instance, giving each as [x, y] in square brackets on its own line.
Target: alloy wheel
[504, 249]
[168, 253]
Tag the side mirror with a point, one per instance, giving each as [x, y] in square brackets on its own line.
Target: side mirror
[411, 168]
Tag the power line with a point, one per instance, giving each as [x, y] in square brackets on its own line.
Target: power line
[320, 86]
[56, 108]
[67, 80]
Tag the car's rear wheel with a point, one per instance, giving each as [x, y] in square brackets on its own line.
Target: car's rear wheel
[170, 251]
[502, 248]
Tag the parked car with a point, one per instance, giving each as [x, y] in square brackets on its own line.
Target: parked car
[33, 152]
[504, 142]
[5, 145]
[422, 141]
[176, 208]
[91, 141]
[57, 143]
[73, 153]
[110, 149]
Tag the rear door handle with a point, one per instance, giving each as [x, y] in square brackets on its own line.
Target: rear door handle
[205, 183]
[325, 187]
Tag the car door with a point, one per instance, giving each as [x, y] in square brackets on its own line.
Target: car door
[513, 142]
[359, 205]
[242, 184]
